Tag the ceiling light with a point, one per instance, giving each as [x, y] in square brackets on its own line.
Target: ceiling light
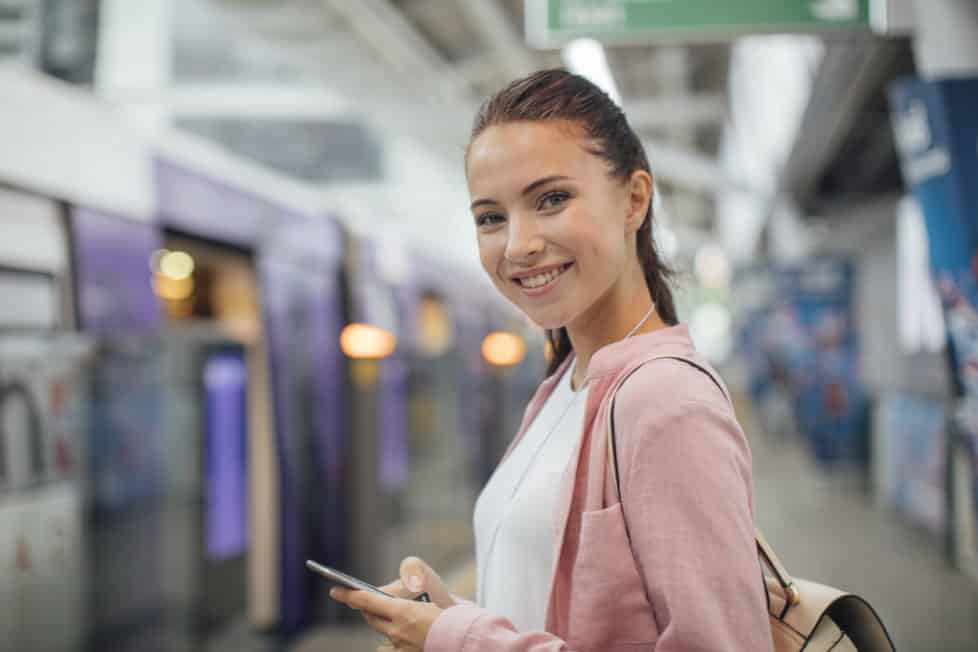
[366, 341]
[503, 349]
[177, 265]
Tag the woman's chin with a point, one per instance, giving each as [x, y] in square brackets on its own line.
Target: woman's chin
[546, 317]
[548, 322]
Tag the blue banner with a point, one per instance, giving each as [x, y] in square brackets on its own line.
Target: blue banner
[800, 346]
[936, 125]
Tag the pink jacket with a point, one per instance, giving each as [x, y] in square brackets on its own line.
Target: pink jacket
[688, 579]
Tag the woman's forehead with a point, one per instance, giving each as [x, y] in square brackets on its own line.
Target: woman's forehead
[516, 147]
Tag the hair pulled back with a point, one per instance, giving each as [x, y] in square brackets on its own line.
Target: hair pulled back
[559, 95]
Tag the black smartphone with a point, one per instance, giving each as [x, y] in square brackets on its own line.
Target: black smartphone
[350, 582]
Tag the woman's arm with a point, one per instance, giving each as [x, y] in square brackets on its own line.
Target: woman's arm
[687, 498]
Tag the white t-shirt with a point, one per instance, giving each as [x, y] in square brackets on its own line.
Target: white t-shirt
[514, 515]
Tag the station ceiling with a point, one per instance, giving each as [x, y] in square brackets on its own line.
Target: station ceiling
[425, 58]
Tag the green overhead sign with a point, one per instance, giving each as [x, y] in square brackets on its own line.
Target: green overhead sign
[551, 23]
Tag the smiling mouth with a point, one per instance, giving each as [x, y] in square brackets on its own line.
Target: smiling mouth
[542, 280]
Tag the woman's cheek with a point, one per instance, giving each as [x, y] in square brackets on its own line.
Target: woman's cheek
[492, 247]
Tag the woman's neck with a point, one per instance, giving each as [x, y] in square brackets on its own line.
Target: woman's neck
[606, 322]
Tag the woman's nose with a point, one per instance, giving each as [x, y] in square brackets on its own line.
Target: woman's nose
[524, 242]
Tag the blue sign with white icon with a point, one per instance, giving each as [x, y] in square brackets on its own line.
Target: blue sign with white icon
[936, 126]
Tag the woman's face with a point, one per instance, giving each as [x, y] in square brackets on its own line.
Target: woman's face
[553, 224]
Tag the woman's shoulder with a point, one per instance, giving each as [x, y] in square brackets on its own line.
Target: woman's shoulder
[670, 401]
[671, 381]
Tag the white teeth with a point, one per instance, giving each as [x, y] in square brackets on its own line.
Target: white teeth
[541, 279]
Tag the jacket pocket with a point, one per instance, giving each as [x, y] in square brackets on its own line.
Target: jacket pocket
[608, 605]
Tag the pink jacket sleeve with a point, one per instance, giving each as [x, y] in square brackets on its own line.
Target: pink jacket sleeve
[687, 496]
[468, 628]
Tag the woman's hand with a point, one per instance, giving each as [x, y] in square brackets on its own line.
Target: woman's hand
[403, 621]
[418, 577]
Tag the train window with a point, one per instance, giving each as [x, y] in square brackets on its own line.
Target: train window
[196, 280]
[30, 300]
[20, 424]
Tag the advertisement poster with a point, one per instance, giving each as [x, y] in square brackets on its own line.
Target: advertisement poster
[911, 457]
[812, 348]
[936, 128]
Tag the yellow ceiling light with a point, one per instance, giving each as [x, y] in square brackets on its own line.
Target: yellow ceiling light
[503, 349]
[366, 341]
[177, 265]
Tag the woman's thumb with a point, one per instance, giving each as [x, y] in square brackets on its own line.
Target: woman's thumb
[414, 574]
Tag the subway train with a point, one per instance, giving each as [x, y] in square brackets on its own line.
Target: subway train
[208, 376]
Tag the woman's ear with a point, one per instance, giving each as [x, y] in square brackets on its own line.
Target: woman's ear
[640, 189]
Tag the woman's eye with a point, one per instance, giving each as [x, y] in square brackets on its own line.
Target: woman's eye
[488, 219]
[553, 200]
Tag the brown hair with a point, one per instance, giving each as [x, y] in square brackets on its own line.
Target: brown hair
[560, 95]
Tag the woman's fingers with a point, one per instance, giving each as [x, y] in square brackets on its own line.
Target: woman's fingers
[415, 574]
[418, 577]
[376, 604]
[398, 590]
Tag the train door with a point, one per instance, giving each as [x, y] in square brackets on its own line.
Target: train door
[475, 388]
[441, 491]
[303, 307]
[210, 299]
[124, 513]
[379, 355]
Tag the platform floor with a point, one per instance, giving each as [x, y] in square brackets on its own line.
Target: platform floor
[825, 528]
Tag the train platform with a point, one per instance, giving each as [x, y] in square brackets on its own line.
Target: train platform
[825, 528]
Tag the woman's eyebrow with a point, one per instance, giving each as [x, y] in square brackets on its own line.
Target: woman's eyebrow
[542, 182]
[526, 191]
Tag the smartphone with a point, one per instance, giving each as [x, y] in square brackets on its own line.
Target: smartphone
[351, 582]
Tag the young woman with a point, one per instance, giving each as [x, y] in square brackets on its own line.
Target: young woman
[561, 198]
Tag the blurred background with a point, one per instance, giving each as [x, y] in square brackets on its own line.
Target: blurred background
[243, 322]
